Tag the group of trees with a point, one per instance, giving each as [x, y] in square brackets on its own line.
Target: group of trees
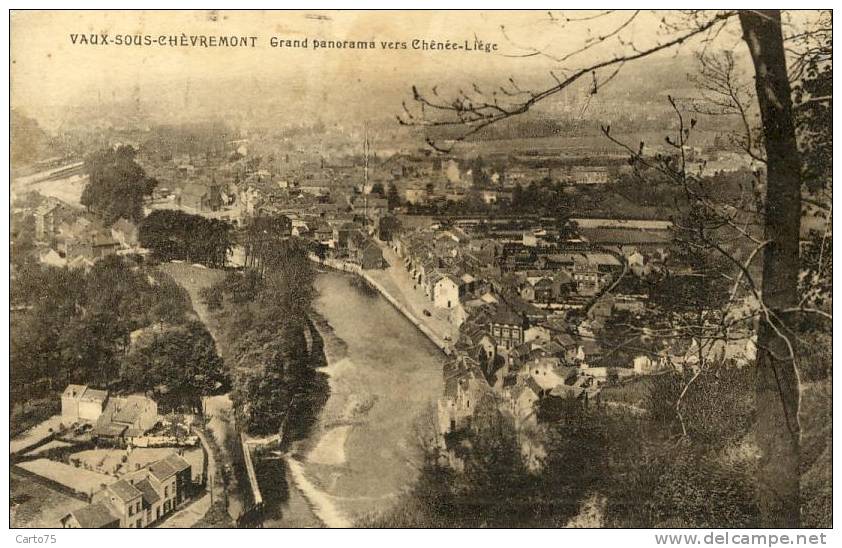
[541, 197]
[582, 455]
[179, 364]
[78, 326]
[272, 350]
[28, 142]
[117, 185]
[173, 234]
[632, 471]
[263, 240]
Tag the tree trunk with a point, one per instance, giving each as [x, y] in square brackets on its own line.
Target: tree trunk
[778, 431]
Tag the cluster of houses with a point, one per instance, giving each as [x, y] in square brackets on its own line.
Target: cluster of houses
[141, 497]
[65, 236]
[137, 500]
[457, 269]
[116, 418]
[530, 314]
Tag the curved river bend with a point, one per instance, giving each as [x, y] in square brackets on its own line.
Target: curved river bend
[385, 377]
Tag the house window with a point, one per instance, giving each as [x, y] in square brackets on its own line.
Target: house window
[138, 507]
[166, 491]
[139, 524]
[158, 512]
[131, 510]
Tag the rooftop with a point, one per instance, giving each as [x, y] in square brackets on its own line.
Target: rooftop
[124, 490]
[94, 516]
[150, 497]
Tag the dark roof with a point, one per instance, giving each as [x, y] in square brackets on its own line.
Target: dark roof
[544, 282]
[124, 490]
[177, 462]
[565, 339]
[626, 236]
[161, 470]
[110, 429]
[522, 350]
[505, 315]
[92, 394]
[150, 497]
[552, 347]
[94, 516]
[533, 385]
[591, 347]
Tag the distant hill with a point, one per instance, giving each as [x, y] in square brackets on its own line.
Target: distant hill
[29, 142]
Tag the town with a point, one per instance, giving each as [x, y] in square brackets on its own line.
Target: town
[232, 310]
[527, 307]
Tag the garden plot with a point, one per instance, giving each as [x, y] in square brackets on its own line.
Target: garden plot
[78, 479]
[35, 434]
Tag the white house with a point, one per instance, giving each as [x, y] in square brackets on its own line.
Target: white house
[446, 291]
[546, 372]
[523, 397]
[80, 403]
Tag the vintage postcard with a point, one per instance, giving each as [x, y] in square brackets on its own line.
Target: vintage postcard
[421, 269]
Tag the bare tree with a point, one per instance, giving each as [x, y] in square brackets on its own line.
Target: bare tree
[778, 430]
[469, 112]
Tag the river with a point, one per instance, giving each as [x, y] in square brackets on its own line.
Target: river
[385, 377]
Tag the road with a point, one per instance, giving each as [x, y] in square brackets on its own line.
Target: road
[399, 283]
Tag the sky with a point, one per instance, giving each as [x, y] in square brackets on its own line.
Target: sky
[51, 74]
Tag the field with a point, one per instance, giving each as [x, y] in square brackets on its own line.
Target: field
[35, 434]
[194, 278]
[78, 479]
[36, 506]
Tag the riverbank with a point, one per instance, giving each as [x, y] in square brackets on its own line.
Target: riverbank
[384, 377]
[439, 332]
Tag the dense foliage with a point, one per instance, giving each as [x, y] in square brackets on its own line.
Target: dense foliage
[78, 327]
[272, 350]
[626, 470]
[173, 234]
[263, 240]
[117, 186]
[179, 365]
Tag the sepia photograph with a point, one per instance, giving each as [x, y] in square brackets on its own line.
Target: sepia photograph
[426, 269]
